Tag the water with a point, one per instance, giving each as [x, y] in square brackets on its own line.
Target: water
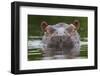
[35, 45]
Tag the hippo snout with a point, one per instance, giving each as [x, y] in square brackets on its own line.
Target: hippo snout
[61, 42]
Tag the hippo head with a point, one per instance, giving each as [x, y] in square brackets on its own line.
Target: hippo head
[59, 35]
[60, 29]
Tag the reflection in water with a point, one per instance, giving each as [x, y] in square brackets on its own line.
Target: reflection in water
[33, 44]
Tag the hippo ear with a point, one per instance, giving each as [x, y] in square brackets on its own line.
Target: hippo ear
[44, 25]
[76, 23]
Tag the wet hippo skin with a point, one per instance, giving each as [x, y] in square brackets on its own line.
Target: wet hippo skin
[61, 39]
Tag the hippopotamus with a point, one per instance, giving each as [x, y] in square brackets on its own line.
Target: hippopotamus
[61, 39]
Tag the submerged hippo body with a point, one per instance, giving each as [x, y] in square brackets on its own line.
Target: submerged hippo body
[61, 39]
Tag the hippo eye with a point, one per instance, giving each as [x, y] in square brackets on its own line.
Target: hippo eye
[66, 30]
[50, 30]
[69, 30]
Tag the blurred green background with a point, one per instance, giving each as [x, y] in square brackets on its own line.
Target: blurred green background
[34, 22]
[34, 29]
